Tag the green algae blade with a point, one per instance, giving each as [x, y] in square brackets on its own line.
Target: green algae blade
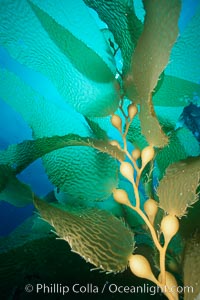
[177, 189]
[96, 235]
[148, 62]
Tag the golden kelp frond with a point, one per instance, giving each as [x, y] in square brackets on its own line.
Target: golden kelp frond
[177, 189]
[96, 235]
[149, 60]
[122, 21]
[191, 268]
[150, 126]
[153, 49]
[168, 118]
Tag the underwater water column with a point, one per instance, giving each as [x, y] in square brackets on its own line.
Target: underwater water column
[63, 92]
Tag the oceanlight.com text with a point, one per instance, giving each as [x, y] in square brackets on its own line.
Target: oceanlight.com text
[112, 288]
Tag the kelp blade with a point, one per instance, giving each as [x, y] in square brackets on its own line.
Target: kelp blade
[148, 62]
[177, 189]
[73, 165]
[96, 235]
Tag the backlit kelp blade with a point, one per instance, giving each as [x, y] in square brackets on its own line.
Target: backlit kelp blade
[99, 126]
[17, 157]
[185, 56]
[69, 40]
[177, 189]
[28, 42]
[135, 135]
[67, 168]
[148, 62]
[122, 21]
[11, 189]
[178, 149]
[96, 235]
[175, 92]
[21, 155]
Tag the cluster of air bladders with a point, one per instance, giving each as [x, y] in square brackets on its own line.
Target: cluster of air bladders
[169, 226]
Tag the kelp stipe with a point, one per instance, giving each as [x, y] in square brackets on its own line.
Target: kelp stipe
[67, 221]
[169, 226]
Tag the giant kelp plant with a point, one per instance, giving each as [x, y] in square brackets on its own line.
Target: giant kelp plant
[111, 196]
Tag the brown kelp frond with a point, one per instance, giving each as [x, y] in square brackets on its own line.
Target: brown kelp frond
[149, 60]
[95, 234]
[150, 126]
[177, 189]
[153, 49]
